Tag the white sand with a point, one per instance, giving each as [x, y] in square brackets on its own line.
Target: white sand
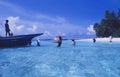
[102, 39]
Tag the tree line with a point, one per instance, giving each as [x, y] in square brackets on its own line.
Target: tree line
[109, 25]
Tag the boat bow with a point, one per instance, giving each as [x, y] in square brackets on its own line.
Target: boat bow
[18, 40]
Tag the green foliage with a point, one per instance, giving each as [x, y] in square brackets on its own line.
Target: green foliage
[109, 26]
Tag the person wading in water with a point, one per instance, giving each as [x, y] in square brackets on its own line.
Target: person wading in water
[59, 41]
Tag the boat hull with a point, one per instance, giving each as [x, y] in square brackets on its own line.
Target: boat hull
[19, 40]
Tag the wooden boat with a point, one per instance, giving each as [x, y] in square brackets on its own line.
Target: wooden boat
[18, 40]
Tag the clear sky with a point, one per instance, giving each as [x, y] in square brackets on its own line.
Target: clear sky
[72, 18]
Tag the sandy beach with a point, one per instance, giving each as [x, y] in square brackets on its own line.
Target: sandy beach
[102, 39]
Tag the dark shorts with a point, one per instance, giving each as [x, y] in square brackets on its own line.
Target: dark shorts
[7, 30]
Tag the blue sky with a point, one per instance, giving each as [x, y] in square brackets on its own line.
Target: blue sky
[72, 18]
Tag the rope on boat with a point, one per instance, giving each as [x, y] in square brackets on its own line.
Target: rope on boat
[2, 28]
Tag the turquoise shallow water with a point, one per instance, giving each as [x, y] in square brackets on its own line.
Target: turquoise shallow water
[86, 59]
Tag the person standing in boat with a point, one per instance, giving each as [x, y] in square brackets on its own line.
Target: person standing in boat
[7, 29]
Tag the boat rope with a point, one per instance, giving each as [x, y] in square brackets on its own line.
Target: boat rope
[2, 27]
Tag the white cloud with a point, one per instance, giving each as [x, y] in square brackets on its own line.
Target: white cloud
[32, 29]
[15, 26]
[20, 27]
[13, 20]
[61, 34]
[55, 19]
[90, 30]
[47, 34]
[37, 23]
[50, 29]
[17, 10]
